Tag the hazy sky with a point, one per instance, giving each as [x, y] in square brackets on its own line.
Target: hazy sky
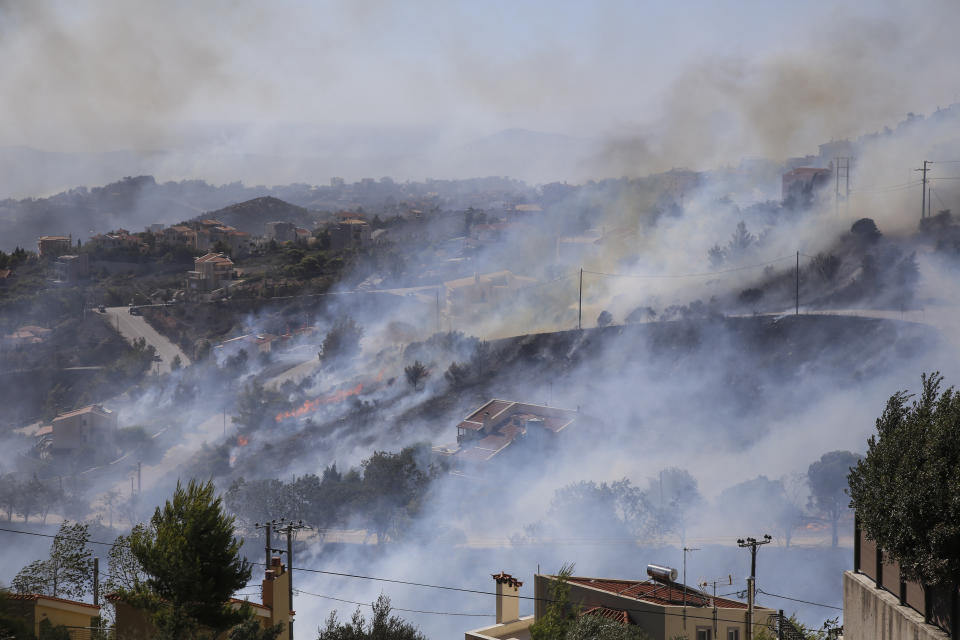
[105, 74]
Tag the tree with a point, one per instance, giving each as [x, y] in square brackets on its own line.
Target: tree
[865, 230]
[342, 341]
[393, 484]
[67, 572]
[741, 240]
[176, 363]
[415, 373]
[605, 319]
[906, 491]
[192, 562]
[559, 614]
[124, 572]
[672, 494]
[382, 626]
[597, 628]
[717, 256]
[828, 486]
[251, 629]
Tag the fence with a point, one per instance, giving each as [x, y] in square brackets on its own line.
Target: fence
[939, 604]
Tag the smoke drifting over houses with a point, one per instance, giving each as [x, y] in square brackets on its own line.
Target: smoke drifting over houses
[639, 340]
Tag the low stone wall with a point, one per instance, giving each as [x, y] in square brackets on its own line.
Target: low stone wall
[870, 613]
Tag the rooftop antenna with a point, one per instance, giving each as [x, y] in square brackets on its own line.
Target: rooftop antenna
[685, 551]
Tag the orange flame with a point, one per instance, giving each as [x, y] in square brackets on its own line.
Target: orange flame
[312, 405]
[242, 441]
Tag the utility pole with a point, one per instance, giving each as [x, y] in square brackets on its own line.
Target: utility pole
[290, 528]
[580, 303]
[96, 582]
[138, 478]
[753, 544]
[685, 551]
[797, 311]
[438, 310]
[923, 205]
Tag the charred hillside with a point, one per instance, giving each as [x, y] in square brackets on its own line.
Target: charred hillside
[730, 374]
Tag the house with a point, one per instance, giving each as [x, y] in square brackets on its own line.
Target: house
[72, 268]
[53, 246]
[498, 424]
[280, 231]
[211, 271]
[349, 233]
[119, 239]
[663, 608]
[879, 603]
[132, 623]
[89, 426]
[36, 609]
[482, 292]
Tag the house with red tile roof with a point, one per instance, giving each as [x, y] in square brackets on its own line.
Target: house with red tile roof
[664, 609]
[90, 426]
[38, 609]
[132, 623]
[498, 424]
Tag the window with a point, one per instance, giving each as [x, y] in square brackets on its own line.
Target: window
[704, 633]
[733, 633]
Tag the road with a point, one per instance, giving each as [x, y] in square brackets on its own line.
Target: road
[133, 327]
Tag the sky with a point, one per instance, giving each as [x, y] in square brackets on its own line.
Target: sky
[695, 75]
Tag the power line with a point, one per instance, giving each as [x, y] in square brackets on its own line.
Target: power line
[50, 535]
[367, 604]
[690, 275]
[816, 604]
[419, 584]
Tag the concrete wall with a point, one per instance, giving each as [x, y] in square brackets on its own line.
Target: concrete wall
[870, 613]
[518, 629]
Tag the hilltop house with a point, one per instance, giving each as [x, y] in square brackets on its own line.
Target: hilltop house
[210, 272]
[133, 623]
[663, 608]
[89, 426]
[349, 233]
[37, 609]
[53, 246]
[498, 424]
[482, 292]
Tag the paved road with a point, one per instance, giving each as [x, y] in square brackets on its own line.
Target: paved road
[132, 327]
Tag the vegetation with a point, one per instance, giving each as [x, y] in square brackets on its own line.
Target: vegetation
[67, 572]
[828, 487]
[906, 491]
[416, 373]
[383, 494]
[192, 564]
[382, 626]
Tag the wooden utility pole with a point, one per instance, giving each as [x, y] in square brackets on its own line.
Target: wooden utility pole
[797, 309]
[923, 201]
[580, 303]
[96, 582]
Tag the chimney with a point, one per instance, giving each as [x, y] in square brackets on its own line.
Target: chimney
[508, 602]
[487, 423]
[276, 595]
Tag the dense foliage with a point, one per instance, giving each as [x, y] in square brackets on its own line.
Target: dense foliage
[192, 562]
[382, 626]
[906, 491]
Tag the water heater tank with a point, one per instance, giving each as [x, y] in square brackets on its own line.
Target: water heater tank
[662, 574]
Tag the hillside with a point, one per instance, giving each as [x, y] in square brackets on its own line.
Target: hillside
[250, 216]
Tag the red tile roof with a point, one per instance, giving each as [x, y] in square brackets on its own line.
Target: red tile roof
[616, 615]
[39, 596]
[656, 593]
